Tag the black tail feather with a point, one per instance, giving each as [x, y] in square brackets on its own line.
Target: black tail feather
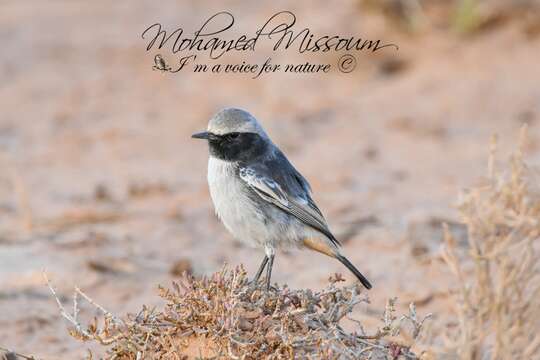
[355, 271]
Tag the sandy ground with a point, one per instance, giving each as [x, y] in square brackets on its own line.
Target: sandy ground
[102, 187]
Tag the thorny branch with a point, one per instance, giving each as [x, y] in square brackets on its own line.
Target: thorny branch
[241, 320]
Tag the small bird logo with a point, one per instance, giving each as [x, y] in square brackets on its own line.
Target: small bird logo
[160, 64]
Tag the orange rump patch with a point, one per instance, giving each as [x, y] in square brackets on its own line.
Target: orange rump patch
[320, 245]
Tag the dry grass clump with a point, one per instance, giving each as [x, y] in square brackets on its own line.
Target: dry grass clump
[499, 274]
[224, 316]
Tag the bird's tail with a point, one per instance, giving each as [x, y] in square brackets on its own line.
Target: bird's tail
[354, 270]
[324, 247]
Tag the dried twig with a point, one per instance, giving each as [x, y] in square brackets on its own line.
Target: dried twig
[498, 303]
[11, 352]
[239, 320]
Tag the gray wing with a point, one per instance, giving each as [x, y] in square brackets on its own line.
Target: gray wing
[279, 183]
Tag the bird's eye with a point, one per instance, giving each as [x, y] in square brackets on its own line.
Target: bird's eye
[233, 135]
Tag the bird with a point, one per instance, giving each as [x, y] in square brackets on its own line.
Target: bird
[160, 64]
[260, 197]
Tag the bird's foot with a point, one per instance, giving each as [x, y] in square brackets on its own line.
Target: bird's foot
[253, 283]
[260, 283]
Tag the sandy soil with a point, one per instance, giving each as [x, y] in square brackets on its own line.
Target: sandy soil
[101, 185]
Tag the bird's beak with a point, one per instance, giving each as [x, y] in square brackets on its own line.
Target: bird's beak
[201, 135]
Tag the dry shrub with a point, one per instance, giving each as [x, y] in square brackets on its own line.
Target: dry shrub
[224, 316]
[499, 294]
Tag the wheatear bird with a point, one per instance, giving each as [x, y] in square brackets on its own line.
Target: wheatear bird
[258, 194]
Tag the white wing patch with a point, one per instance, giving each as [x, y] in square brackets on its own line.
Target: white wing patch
[265, 187]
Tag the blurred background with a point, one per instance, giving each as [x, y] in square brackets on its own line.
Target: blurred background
[102, 187]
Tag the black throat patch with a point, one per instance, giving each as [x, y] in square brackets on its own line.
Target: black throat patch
[237, 146]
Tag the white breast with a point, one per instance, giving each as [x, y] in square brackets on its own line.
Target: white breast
[232, 205]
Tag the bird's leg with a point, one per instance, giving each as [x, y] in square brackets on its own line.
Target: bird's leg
[261, 269]
[269, 270]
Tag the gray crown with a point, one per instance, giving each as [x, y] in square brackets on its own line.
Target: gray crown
[235, 120]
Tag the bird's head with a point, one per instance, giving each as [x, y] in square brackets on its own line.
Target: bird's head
[234, 135]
